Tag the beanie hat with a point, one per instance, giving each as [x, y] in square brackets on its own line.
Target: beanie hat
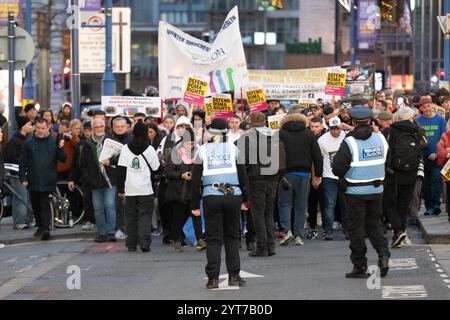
[21, 121]
[140, 130]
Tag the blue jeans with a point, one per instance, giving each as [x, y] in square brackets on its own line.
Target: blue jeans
[432, 185]
[104, 201]
[296, 197]
[331, 193]
[19, 210]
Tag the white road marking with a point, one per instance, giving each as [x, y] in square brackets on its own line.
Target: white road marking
[12, 260]
[404, 292]
[440, 270]
[403, 264]
[2, 245]
[443, 275]
[433, 259]
[224, 284]
[24, 269]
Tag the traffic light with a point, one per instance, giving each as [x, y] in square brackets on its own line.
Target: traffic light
[67, 73]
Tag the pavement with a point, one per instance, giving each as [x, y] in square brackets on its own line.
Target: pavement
[10, 236]
[435, 229]
[81, 269]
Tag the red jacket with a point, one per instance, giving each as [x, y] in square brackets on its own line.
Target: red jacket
[443, 149]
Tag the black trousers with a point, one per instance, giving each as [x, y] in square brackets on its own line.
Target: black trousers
[247, 221]
[120, 213]
[364, 217]
[164, 208]
[88, 207]
[315, 200]
[181, 213]
[396, 202]
[262, 202]
[222, 227]
[40, 202]
[447, 186]
[138, 211]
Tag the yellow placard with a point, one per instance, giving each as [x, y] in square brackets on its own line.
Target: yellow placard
[274, 121]
[255, 97]
[222, 103]
[336, 79]
[196, 87]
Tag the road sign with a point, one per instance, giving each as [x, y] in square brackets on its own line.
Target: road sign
[92, 41]
[444, 24]
[24, 48]
[345, 4]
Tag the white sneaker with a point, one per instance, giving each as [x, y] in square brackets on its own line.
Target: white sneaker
[87, 226]
[407, 241]
[120, 235]
[299, 241]
[286, 239]
[336, 225]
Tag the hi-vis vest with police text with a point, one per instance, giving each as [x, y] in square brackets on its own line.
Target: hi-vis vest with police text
[368, 164]
[219, 165]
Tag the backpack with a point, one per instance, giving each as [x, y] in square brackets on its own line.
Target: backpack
[407, 152]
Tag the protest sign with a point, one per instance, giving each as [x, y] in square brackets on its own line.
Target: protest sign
[196, 88]
[305, 84]
[222, 106]
[446, 171]
[360, 82]
[335, 83]
[223, 61]
[256, 99]
[208, 107]
[128, 106]
[274, 121]
[110, 149]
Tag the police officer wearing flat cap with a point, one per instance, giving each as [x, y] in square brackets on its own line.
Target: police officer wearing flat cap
[223, 182]
[360, 166]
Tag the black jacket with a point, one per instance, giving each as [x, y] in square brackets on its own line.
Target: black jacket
[37, 163]
[401, 177]
[75, 171]
[123, 139]
[14, 147]
[263, 154]
[302, 148]
[90, 169]
[178, 190]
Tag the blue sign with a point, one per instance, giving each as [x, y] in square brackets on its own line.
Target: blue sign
[86, 5]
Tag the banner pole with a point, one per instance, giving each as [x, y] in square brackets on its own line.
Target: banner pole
[242, 103]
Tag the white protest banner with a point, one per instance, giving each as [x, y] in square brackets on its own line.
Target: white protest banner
[274, 121]
[195, 88]
[305, 84]
[128, 106]
[223, 61]
[110, 149]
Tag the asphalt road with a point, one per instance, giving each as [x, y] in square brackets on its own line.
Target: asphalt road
[314, 271]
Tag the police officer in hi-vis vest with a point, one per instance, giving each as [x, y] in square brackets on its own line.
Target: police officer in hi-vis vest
[223, 183]
[360, 166]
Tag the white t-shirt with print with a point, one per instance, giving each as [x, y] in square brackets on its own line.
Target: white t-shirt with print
[329, 146]
[138, 180]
